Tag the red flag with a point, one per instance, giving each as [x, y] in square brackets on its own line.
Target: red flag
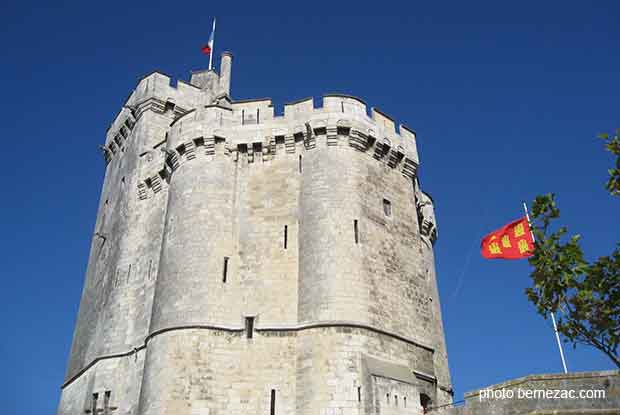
[512, 241]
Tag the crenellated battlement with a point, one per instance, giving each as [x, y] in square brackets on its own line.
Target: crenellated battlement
[253, 121]
[248, 132]
[205, 109]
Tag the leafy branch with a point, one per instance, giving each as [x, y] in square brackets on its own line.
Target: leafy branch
[612, 144]
[587, 295]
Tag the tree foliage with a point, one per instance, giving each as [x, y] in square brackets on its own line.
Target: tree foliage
[585, 295]
[612, 144]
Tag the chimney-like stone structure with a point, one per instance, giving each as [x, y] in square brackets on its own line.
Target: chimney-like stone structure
[225, 71]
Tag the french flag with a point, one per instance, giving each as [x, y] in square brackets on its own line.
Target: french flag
[208, 48]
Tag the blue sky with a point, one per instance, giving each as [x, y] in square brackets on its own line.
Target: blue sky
[507, 100]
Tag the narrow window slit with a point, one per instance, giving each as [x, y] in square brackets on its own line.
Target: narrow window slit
[272, 406]
[225, 270]
[106, 402]
[249, 327]
[300, 163]
[387, 207]
[356, 231]
[94, 403]
[359, 394]
[285, 236]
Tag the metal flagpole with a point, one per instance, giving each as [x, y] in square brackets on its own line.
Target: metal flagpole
[555, 326]
[212, 45]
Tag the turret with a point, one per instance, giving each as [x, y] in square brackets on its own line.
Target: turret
[225, 69]
[212, 83]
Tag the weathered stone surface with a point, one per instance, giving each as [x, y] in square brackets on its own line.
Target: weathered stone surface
[547, 394]
[216, 215]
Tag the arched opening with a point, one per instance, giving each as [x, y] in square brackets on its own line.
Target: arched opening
[425, 402]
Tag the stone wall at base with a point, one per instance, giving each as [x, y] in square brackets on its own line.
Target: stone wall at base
[583, 393]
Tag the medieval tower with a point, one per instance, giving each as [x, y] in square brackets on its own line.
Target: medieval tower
[245, 262]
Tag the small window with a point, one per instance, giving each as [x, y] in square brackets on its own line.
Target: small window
[93, 408]
[279, 139]
[396, 400]
[169, 106]
[387, 207]
[387, 397]
[300, 163]
[285, 236]
[272, 406]
[225, 270]
[359, 394]
[356, 232]
[249, 327]
[106, 400]
[405, 401]
[425, 401]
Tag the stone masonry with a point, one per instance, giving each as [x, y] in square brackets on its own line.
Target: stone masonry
[248, 263]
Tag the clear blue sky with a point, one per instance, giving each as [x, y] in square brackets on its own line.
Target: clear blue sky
[506, 98]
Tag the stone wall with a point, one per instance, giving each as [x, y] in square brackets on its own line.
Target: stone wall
[547, 394]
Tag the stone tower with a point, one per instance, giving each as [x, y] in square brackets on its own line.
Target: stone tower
[245, 262]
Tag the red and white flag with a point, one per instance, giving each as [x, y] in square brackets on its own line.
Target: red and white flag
[208, 48]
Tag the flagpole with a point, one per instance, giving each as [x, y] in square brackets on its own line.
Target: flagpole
[555, 326]
[212, 46]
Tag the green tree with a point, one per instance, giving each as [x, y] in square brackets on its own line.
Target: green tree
[585, 295]
[612, 144]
